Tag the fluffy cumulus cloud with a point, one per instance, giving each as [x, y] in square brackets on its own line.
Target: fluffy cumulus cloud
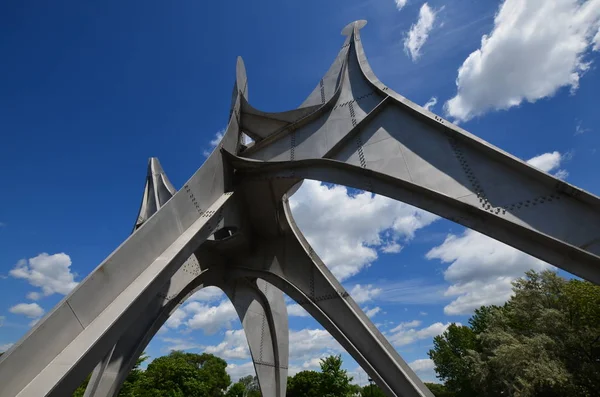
[177, 319]
[430, 103]
[372, 312]
[400, 4]
[535, 48]
[52, 273]
[207, 294]
[481, 270]
[234, 346]
[215, 141]
[237, 371]
[4, 347]
[408, 332]
[297, 311]
[549, 162]
[422, 365]
[419, 32]
[307, 343]
[364, 293]
[31, 310]
[179, 344]
[205, 316]
[210, 318]
[347, 230]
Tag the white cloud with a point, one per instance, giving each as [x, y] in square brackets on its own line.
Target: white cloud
[422, 365]
[364, 293]
[215, 141]
[177, 319]
[237, 371]
[34, 296]
[179, 344]
[345, 230]
[210, 318]
[307, 343]
[31, 310]
[34, 322]
[561, 174]
[430, 103]
[391, 248]
[596, 41]
[51, 273]
[546, 162]
[5, 347]
[207, 294]
[400, 4]
[550, 161]
[406, 325]
[535, 48]
[480, 270]
[297, 310]
[419, 32]
[411, 292]
[406, 333]
[234, 346]
[580, 129]
[372, 312]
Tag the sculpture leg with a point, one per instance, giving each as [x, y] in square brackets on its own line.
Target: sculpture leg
[290, 264]
[109, 375]
[252, 299]
[262, 311]
[77, 334]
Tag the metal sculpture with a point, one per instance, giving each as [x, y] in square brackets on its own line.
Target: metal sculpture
[230, 225]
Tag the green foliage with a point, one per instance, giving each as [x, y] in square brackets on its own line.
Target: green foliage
[439, 390]
[545, 341]
[332, 381]
[304, 384]
[127, 390]
[245, 387]
[372, 391]
[236, 390]
[184, 375]
[335, 381]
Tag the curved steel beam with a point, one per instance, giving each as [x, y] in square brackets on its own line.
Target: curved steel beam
[377, 140]
[253, 300]
[289, 263]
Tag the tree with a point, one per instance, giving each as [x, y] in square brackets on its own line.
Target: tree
[335, 381]
[372, 391]
[236, 390]
[545, 341]
[127, 389]
[450, 354]
[304, 384]
[439, 390]
[245, 387]
[184, 375]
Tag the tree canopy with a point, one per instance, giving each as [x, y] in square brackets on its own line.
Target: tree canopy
[545, 341]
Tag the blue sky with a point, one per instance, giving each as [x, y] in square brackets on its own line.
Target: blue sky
[90, 91]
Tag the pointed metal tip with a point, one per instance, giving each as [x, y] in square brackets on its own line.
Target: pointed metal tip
[348, 29]
[154, 166]
[241, 78]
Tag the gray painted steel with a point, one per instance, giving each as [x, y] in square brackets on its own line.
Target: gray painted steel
[231, 226]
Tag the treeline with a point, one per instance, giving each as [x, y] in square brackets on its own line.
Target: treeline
[545, 341]
[182, 374]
